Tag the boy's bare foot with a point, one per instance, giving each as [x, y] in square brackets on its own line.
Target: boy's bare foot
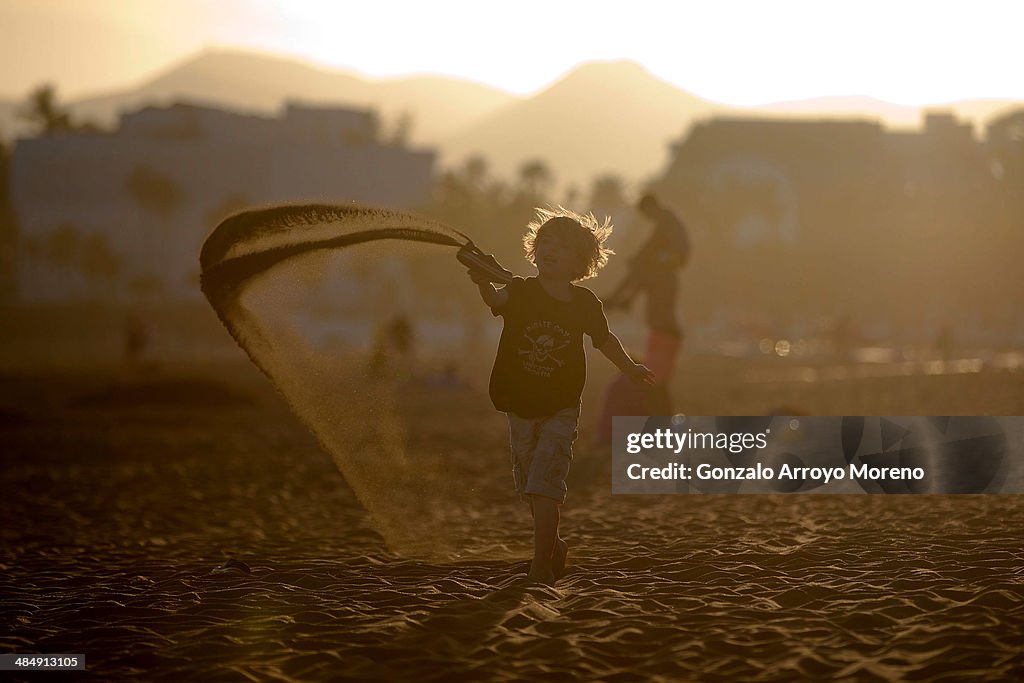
[540, 572]
[543, 578]
[558, 558]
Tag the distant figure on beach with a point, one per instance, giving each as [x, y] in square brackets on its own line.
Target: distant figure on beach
[395, 340]
[944, 341]
[842, 331]
[540, 368]
[653, 270]
[135, 337]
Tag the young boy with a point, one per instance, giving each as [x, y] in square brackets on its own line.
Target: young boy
[540, 367]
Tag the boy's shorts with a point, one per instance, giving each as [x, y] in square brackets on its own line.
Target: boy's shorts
[542, 452]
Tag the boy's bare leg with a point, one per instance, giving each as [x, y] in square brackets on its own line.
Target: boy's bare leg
[558, 557]
[545, 535]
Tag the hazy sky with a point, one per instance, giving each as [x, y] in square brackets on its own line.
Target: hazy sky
[753, 52]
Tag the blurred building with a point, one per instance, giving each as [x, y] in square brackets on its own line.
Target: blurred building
[848, 218]
[122, 215]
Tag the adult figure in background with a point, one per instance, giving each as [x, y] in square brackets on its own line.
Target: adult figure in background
[654, 273]
[653, 270]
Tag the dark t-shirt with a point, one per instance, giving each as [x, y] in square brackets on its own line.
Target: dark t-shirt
[541, 367]
[668, 247]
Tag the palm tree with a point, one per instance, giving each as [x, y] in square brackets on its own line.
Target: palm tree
[42, 110]
[475, 170]
[99, 262]
[607, 193]
[536, 178]
[159, 196]
[401, 133]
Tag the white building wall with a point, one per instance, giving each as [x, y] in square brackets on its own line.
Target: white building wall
[82, 181]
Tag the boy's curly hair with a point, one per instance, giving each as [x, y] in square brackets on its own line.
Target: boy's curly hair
[584, 233]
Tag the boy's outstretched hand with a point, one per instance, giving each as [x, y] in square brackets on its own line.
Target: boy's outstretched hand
[484, 264]
[640, 374]
[613, 351]
[477, 277]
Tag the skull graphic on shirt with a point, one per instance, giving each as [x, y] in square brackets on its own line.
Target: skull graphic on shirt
[541, 348]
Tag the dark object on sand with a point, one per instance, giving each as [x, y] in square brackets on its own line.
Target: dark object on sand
[232, 566]
[136, 338]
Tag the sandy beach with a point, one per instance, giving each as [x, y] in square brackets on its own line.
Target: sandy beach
[123, 493]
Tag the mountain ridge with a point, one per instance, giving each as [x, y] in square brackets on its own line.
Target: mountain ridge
[597, 118]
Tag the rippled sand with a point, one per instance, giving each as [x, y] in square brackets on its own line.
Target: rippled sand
[117, 508]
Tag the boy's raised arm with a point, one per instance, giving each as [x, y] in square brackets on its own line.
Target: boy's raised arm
[495, 298]
[613, 351]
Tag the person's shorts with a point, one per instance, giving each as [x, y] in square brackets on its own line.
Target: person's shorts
[542, 452]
